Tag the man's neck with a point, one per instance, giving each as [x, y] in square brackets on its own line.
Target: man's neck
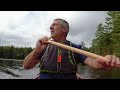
[61, 39]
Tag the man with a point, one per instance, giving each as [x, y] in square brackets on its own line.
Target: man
[58, 63]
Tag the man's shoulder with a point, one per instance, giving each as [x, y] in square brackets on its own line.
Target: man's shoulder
[75, 45]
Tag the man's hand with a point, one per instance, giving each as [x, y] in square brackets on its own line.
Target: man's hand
[112, 61]
[41, 44]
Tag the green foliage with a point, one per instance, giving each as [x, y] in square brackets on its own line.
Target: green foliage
[11, 52]
[107, 39]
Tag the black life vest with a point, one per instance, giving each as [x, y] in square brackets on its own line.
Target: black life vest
[58, 60]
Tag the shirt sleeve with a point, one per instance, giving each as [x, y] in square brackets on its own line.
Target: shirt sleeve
[80, 58]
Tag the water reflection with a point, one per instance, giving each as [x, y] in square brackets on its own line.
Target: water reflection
[12, 69]
[99, 74]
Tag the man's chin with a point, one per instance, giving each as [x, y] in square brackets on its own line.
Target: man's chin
[52, 36]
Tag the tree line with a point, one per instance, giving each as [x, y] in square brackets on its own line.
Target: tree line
[107, 36]
[11, 52]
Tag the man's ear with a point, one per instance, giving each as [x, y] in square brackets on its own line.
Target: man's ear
[64, 30]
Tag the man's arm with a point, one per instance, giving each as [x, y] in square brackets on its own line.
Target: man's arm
[92, 63]
[112, 61]
[33, 58]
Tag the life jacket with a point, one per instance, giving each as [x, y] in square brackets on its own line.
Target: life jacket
[59, 60]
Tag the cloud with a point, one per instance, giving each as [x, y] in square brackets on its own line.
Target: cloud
[24, 28]
[85, 25]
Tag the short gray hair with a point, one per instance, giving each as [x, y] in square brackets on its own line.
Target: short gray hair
[64, 23]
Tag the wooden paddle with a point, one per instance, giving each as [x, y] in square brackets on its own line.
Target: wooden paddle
[92, 55]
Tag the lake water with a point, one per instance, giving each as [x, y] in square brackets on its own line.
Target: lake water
[12, 69]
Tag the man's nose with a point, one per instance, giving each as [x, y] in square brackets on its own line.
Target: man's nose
[51, 27]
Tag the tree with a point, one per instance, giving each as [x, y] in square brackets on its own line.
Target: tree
[102, 42]
[114, 21]
[107, 39]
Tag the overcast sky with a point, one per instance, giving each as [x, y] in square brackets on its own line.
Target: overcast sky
[24, 28]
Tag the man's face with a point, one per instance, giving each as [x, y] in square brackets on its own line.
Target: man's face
[56, 29]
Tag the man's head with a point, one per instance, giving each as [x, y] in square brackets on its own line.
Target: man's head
[59, 28]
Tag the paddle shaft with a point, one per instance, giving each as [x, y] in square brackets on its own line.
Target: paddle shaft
[92, 55]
